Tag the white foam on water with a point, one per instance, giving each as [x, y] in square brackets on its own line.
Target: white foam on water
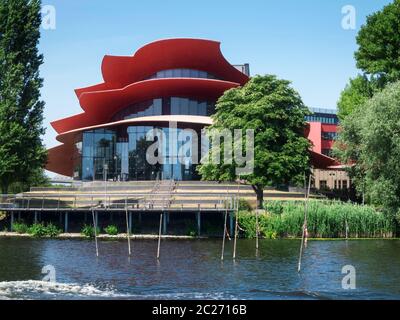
[32, 289]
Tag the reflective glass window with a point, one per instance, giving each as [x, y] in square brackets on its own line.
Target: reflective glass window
[124, 153]
[166, 106]
[182, 73]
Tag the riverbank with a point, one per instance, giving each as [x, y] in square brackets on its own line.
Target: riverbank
[280, 220]
[122, 236]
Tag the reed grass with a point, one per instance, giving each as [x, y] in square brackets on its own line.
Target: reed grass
[325, 219]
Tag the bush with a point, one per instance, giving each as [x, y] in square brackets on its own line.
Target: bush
[40, 230]
[52, 230]
[37, 230]
[19, 227]
[88, 231]
[325, 219]
[111, 230]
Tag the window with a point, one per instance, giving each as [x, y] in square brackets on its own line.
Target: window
[344, 184]
[182, 73]
[329, 135]
[327, 119]
[323, 184]
[166, 106]
[124, 152]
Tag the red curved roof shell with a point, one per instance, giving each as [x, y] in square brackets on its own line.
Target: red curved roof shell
[125, 84]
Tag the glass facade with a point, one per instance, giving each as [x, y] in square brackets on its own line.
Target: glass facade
[182, 73]
[98, 149]
[123, 153]
[323, 118]
[329, 135]
[166, 106]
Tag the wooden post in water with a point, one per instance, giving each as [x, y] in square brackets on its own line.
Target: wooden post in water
[224, 236]
[95, 229]
[257, 231]
[128, 232]
[236, 229]
[159, 236]
[304, 224]
[236, 218]
[128, 227]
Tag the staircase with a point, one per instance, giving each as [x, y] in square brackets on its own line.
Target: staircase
[150, 195]
[160, 196]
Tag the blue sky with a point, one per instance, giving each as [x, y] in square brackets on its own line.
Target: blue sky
[302, 41]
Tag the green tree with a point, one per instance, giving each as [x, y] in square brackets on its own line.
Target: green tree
[370, 140]
[276, 113]
[378, 57]
[356, 93]
[21, 110]
[378, 54]
[37, 178]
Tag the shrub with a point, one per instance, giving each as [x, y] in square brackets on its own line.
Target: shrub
[88, 231]
[52, 230]
[41, 230]
[111, 230]
[37, 230]
[19, 227]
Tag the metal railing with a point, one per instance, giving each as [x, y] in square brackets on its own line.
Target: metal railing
[133, 201]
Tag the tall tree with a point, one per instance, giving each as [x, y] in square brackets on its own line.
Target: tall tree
[378, 54]
[356, 93]
[378, 57]
[276, 113]
[370, 139]
[21, 110]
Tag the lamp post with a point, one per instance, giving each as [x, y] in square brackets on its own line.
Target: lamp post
[115, 178]
[105, 168]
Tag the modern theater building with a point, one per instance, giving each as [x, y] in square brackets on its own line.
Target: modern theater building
[176, 80]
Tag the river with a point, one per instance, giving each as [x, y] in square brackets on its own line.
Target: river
[192, 269]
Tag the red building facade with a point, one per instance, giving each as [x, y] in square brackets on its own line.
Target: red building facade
[176, 80]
